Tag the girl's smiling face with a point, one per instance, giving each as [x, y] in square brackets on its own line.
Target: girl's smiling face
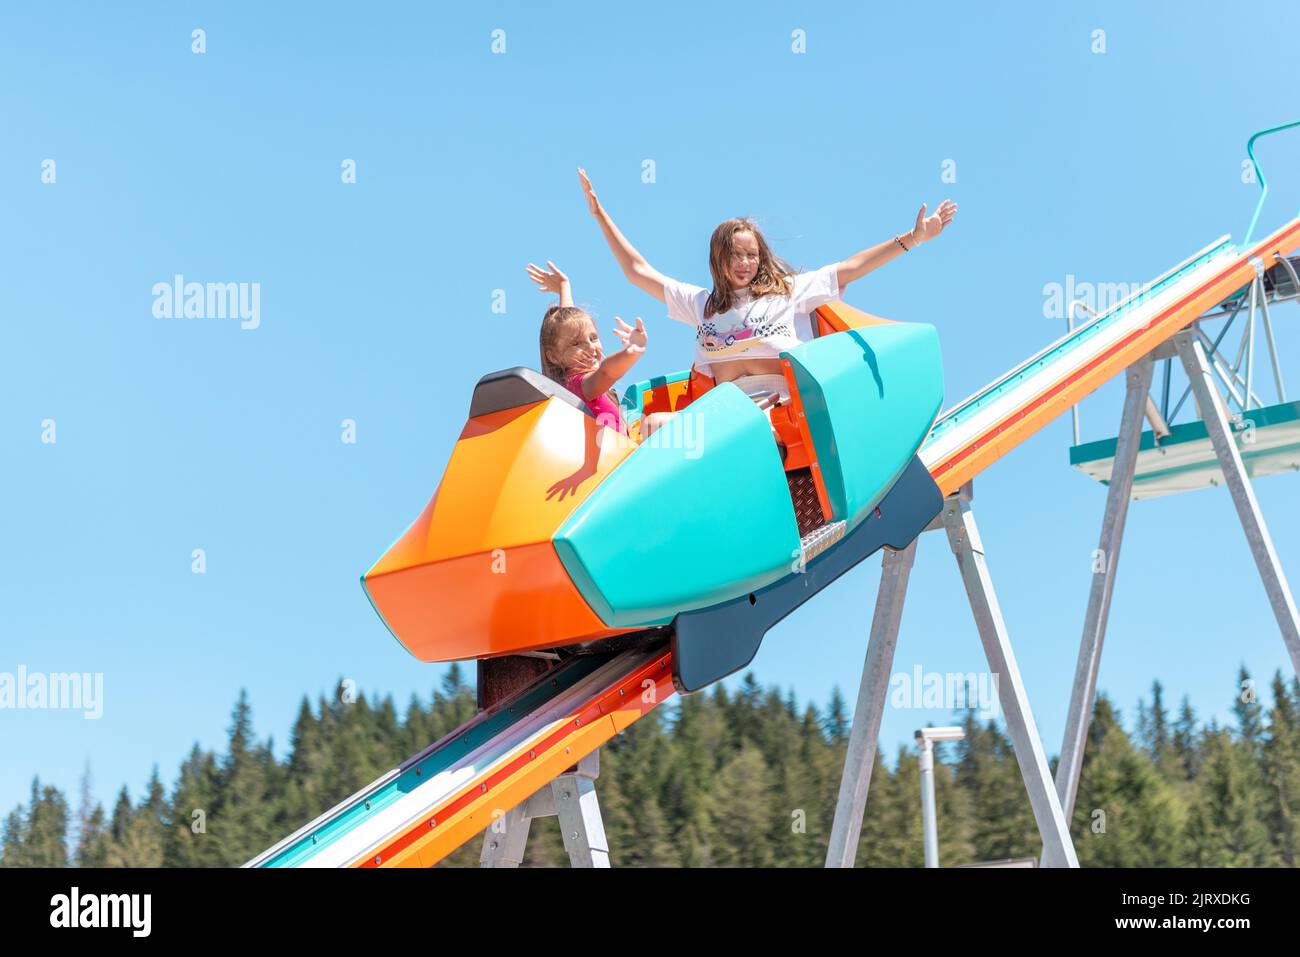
[744, 260]
[579, 348]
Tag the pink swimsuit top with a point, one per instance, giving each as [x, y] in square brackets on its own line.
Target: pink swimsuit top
[603, 407]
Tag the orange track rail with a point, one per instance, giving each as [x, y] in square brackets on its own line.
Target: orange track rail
[977, 455]
[471, 809]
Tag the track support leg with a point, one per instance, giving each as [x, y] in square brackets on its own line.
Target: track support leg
[571, 797]
[959, 522]
[963, 536]
[1105, 567]
[1243, 494]
[896, 567]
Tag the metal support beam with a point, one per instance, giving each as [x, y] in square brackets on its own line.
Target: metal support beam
[959, 522]
[1105, 567]
[963, 536]
[860, 758]
[571, 797]
[1272, 349]
[507, 836]
[580, 823]
[1243, 494]
[1159, 427]
[929, 819]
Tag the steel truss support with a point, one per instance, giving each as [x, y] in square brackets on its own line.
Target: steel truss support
[572, 798]
[958, 520]
[1211, 405]
[1105, 566]
[1243, 494]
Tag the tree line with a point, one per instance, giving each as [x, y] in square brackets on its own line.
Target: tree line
[742, 778]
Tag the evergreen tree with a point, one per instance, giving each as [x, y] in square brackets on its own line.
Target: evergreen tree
[1152, 732]
[1159, 745]
[1186, 742]
[822, 762]
[883, 820]
[953, 811]
[631, 788]
[1227, 825]
[1248, 712]
[135, 836]
[900, 834]
[700, 746]
[242, 816]
[1281, 756]
[740, 808]
[1126, 814]
[47, 829]
[837, 724]
[92, 837]
[1002, 821]
[13, 839]
[188, 842]
[722, 779]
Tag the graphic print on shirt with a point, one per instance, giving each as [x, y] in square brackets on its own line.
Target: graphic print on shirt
[716, 343]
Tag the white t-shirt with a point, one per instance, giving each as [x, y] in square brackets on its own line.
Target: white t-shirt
[752, 328]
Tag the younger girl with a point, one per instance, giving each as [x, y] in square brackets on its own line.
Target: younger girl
[572, 354]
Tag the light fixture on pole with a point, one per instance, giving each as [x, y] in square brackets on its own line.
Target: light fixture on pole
[925, 738]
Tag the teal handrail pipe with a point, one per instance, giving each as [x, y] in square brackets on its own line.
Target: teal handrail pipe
[1259, 174]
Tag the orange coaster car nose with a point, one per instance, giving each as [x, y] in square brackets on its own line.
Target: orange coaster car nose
[476, 574]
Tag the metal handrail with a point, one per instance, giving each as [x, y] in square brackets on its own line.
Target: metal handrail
[1295, 280]
[1259, 174]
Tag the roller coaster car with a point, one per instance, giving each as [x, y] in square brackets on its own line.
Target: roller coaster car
[550, 530]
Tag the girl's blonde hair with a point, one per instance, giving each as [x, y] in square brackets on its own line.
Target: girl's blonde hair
[555, 322]
[771, 278]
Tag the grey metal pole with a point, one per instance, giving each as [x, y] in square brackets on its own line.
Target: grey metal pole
[1074, 409]
[928, 824]
[1120, 490]
[1256, 293]
[578, 810]
[1272, 348]
[860, 757]
[963, 536]
[1243, 494]
[571, 798]
[506, 838]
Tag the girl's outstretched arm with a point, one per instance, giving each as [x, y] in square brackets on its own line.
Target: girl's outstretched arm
[927, 228]
[615, 366]
[638, 272]
[553, 281]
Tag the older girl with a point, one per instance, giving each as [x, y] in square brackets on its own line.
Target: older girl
[758, 304]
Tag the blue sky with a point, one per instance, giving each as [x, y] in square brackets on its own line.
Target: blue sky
[376, 306]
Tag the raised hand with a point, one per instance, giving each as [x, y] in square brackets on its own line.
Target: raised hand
[634, 339]
[593, 203]
[928, 227]
[552, 281]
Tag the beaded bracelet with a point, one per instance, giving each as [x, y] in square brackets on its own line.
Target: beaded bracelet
[906, 248]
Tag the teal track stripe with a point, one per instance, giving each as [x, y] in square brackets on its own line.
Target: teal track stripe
[954, 417]
[425, 769]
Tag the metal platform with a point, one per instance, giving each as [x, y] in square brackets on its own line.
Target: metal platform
[1268, 439]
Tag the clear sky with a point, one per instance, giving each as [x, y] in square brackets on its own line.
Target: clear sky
[376, 306]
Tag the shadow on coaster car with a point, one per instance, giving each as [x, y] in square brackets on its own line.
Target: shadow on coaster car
[550, 530]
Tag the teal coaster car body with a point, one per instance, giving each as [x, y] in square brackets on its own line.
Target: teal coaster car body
[701, 513]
